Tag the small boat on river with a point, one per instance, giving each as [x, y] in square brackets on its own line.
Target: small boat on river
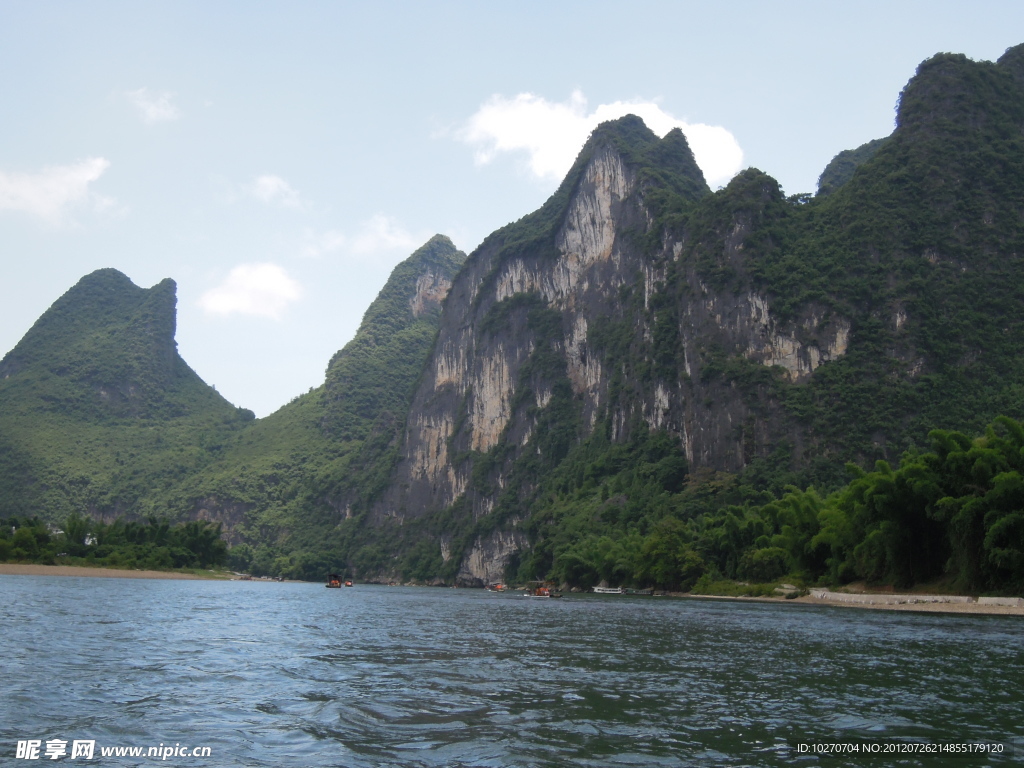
[609, 590]
[542, 591]
[334, 581]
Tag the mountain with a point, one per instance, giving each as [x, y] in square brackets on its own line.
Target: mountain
[100, 415]
[640, 349]
[97, 408]
[270, 485]
[642, 382]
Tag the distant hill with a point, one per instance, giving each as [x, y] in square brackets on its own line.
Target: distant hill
[100, 415]
[98, 412]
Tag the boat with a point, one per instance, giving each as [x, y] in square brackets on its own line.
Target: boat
[609, 590]
[542, 592]
[495, 587]
[333, 581]
[348, 583]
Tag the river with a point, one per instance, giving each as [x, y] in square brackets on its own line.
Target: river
[283, 674]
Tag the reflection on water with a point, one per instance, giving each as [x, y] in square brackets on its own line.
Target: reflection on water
[270, 674]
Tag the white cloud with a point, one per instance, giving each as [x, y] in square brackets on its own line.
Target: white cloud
[49, 193]
[318, 245]
[378, 234]
[154, 107]
[252, 289]
[273, 190]
[552, 133]
[382, 233]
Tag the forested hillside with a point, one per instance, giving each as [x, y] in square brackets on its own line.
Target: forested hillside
[99, 415]
[642, 356]
[643, 382]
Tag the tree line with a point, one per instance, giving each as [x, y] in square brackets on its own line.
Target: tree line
[953, 514]
[81, 540]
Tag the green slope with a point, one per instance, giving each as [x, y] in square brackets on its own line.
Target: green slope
[840, 169]
[98, 412]
[284, 484]
[99, 415]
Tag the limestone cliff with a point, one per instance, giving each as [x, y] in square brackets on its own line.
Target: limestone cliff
[641, 351]
[517, 341]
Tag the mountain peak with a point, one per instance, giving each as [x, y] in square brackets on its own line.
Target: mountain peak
[666, 163]
[106, 347]
[384, 358]
[1013, 61]
[951, 95]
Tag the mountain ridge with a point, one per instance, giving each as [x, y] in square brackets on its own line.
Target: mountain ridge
[748, 309]
[631, 380]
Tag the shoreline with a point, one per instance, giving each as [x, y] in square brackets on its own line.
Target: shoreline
[31, 569]
[966, 609]
[960, 608]
[963, 609]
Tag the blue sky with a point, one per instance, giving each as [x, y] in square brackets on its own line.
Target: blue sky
[278, 159]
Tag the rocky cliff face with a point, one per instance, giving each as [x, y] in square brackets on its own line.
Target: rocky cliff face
[519, 327]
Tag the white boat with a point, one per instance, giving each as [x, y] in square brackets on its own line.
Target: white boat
[608, 590]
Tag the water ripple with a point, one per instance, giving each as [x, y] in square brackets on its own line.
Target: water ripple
[292, 674]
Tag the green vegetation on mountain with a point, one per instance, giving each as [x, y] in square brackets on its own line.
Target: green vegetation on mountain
[630, 514]
[840, 169]
[100, 415]
[904, 275]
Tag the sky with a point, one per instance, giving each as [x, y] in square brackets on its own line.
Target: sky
[277, 160]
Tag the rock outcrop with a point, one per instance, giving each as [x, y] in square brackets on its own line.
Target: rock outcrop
[519, 327]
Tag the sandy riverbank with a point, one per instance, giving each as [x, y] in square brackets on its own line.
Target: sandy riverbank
[962, 608]
[968, 608]
[13, 569]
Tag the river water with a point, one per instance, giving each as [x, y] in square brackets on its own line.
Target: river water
[278, 674]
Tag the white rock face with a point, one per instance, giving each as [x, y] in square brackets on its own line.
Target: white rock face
[657, 414]
[515, 278]
[429, 459]
[771, 346]
[488, 557]
[584, 369]
[587, 237]
[431, 452]
[472, 381]
[589, 230]
[450, 364]
[430, 291]
[492, 396]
